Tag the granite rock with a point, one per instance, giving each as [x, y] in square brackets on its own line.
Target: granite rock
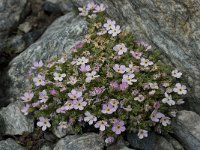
[14, 122]
[80, 142]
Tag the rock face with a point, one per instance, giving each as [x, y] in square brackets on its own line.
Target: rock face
[10, 144]
[11, 13]
[172, 26]
[89, 141]
[187, 129]
[152, 142]
[14, 122]
[59, 37]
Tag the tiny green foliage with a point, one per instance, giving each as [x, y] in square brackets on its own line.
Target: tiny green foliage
[111, 83]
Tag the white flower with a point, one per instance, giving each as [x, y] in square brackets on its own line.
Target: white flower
[165, 121]
[180, 89]
[83, 11]
[82, 61]
[115, 30]
[180, 101]
[102, 32]
[176, 73]
[25, 109]
[152, 92]
[153, 85]
[120, 48]
[59, 76]
[109, 24]
[101, 125]
[145, 62]
[142, 133]
[44, 123]
[139, 98]
[61, 60]
[168, 100]
[72, 80]
[129, 78]
[91, 76]
[39, 80]
[89, 118]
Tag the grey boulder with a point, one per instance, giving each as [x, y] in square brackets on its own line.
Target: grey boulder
[152, 142]
[60, 37]
[187, 129]
[90, 141]
[13, 122]
[10, 144]
[11, 13]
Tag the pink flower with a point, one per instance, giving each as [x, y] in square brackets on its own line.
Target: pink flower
[136, 55]
[155, 116]
[101, 125]
[75, 94]
[142, 133]
[99, 90]
[118, 127]
[99, 8]
[43, 96]
[61, 110]
[91, 6]
[119, 68]
[69, 105]
[44, 123]
[36, 104]
[108, 109]
[79, 104]
[25, 109]
[123, 86]
[37, 65]
[53, 92]
[114, 85]
[28, 96]
[156, 105]
[79, 44]
[85, 68]
[39, 80]
[115, 30]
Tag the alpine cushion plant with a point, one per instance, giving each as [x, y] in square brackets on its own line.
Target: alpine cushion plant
[110, 82]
